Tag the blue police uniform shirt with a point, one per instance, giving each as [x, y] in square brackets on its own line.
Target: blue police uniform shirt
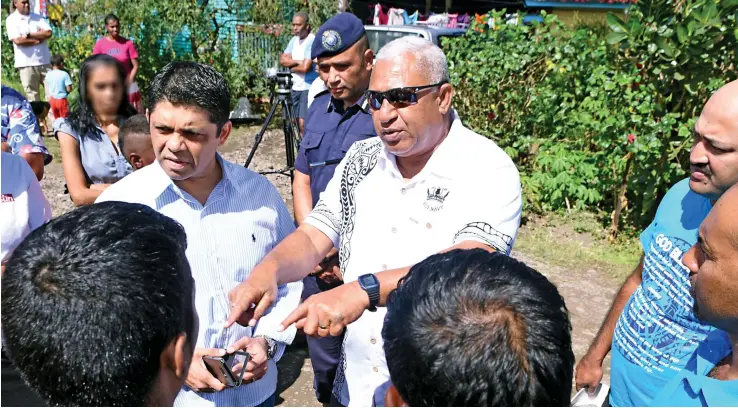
[658, 332]
[692, 387]
[330, 130]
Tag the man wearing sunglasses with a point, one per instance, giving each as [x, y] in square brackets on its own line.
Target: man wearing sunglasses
[336, 119]
[426, 185]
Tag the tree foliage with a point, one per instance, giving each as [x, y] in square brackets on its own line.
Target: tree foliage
[597, 118]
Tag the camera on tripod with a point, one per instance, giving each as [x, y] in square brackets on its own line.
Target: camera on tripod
[281, 97]
[283, 79]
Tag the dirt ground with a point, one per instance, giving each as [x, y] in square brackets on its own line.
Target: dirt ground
[587, 291]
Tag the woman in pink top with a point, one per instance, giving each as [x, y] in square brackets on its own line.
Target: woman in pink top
[123, 50]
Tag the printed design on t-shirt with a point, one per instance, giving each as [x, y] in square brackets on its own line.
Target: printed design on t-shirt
[658, 329]
[358, 165]
[114, 51]
[436, 198]
[487, 233]
[8, 198]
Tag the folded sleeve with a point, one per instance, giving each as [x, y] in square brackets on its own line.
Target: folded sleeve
[327, 214]
[493, 214]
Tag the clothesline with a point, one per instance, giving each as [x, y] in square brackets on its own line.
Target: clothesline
[398, 16]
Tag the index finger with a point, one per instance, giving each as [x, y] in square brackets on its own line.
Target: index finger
[240, 304]
[297, 314]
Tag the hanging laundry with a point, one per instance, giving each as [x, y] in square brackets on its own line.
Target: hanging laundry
[410, 19]
[463, 21]
[380, 18]
[452, 20]
[439, 20]
[395, 16]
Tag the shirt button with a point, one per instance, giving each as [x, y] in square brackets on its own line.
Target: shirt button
[394, 230]
[376, 370]
[373, 341]
[428, 225]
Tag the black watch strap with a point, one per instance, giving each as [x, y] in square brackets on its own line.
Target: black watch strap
[370, 284]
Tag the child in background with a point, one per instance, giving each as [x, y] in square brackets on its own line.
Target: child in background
[58, 85]
[134, 139]
[41, 111]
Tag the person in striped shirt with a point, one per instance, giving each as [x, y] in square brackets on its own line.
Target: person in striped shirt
[232, 216]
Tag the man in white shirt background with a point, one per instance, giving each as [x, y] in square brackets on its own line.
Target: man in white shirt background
[29, 33]
[421, 187]
[232, 217]
[296, 57]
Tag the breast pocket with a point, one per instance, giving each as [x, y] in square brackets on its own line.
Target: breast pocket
[311, 145]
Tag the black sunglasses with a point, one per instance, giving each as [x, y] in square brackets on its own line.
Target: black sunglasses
[398, 97]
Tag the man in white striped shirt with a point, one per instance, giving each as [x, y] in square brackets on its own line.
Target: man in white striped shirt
[233, 217]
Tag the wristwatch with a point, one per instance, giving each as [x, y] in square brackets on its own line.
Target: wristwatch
[271, 346]
[370, 284]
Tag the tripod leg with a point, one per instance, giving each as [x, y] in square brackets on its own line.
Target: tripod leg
[260, 135]
[290, 128]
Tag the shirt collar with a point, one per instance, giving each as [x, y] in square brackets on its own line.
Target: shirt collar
[714, 391]
[443, 158]
[161, 182]
[337, 105]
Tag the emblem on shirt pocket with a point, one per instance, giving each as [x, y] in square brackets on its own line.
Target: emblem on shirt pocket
[436, 198]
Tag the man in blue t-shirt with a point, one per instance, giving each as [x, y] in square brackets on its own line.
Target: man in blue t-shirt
[711, 375]
[651, 327]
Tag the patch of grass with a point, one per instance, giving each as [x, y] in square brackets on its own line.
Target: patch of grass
[15, 84]
[578, 241]
[53, 145]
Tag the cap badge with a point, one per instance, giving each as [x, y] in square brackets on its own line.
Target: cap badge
[331, 40]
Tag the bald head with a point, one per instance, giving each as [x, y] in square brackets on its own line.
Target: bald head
[724, 103]
[714, 155]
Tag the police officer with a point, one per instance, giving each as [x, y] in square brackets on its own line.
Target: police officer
[336, 119]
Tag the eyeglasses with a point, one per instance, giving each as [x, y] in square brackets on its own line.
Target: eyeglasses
[398, 97]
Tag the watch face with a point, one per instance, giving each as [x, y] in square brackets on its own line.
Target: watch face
[367, 280]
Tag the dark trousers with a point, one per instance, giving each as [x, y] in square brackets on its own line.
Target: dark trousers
[15, 392]
[325, 352]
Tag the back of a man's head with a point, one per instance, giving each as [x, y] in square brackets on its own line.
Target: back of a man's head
[97, 307]
[472, 328]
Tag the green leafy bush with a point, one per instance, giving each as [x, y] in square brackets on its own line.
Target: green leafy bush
[597, 118]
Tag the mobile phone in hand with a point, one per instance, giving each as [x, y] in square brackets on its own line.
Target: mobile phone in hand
[222, 367]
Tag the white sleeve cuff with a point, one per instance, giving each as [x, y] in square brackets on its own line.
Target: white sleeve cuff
[326, 226]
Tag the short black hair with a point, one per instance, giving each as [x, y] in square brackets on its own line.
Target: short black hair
[57, 60]
[192, 84]
[473, 328]
[136, 125]
[91, 299]
[38, 107]
[111, 17]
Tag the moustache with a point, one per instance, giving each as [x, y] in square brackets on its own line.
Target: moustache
[700, 168]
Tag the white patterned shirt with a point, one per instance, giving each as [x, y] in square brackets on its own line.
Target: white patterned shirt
[243, 219]
[468, 191]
